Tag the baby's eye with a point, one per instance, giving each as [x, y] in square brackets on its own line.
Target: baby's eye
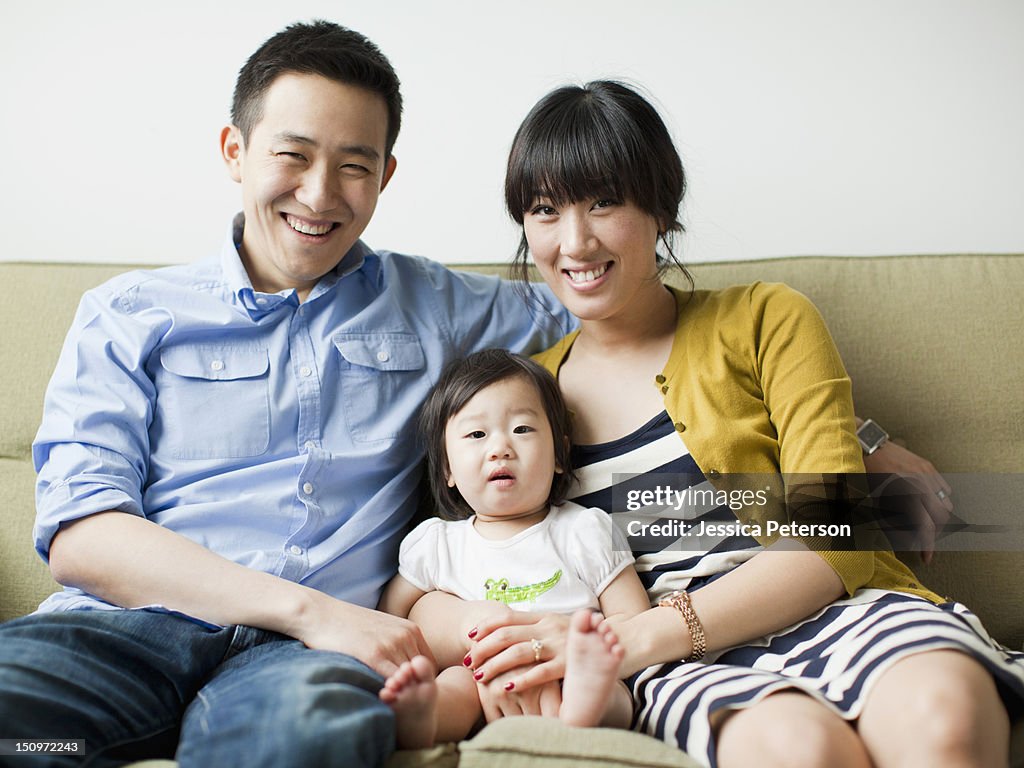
[522, 429]
[476, 434]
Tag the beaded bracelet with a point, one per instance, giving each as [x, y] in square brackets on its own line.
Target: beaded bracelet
[681, 602]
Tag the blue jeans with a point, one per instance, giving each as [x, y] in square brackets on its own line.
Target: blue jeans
[137, 684]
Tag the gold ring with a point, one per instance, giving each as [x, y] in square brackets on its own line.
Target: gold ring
[537, 646]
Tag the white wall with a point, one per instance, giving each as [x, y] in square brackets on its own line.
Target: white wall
[807, 126]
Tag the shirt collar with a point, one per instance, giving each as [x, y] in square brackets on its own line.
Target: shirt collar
[258, 303]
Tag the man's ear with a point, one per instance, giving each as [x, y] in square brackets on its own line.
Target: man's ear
[389, 171]
[231, 149]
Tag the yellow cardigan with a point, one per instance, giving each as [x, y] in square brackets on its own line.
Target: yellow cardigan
[756, 385]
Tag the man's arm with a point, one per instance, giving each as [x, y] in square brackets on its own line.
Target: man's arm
[477, 311]
[132, 562]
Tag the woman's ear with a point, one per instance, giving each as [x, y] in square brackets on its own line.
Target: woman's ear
[449, 481]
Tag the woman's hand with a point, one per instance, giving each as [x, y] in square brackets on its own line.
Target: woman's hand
[503, 644]
[446, 621]
[498, 699]
[934, 503]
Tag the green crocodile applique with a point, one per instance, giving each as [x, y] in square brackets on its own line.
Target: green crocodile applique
[498, 589]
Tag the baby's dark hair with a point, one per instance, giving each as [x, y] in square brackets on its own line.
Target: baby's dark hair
[459, 382]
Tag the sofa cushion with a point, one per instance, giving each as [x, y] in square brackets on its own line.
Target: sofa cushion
[538, 742]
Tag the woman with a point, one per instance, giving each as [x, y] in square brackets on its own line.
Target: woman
[805, 657]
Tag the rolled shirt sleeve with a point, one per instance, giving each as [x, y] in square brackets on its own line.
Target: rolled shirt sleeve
[92, 447]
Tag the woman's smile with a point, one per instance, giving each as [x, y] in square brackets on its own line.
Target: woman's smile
[587, 278]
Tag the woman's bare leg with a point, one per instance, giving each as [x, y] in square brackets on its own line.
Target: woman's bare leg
[788, 730]
[936, 708]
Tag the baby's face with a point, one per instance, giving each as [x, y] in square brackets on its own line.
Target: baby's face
[501, 453]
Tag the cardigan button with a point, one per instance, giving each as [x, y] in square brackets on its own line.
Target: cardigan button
[664, 389]
[680, 427]
[713, 473]
[660, 379]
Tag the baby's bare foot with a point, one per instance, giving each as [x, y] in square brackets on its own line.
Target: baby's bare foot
[411, 692]
[592, 662]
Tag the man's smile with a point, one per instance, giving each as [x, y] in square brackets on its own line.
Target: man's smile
[307, 227]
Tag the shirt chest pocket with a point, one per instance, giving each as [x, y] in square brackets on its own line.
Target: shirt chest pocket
[213, 401]
[382, 382]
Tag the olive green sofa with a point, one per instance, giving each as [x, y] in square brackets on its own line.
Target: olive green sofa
[934, 345]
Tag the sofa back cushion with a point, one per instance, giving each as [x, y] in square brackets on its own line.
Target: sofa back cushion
[934, 345]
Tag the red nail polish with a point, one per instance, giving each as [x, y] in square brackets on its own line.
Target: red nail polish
[478, 675]
[467, 662]
[509, 686]
[472, 632]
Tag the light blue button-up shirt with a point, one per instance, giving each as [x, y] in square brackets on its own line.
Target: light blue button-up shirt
[278, 434]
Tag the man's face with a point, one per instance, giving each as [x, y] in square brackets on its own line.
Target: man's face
[311, 174]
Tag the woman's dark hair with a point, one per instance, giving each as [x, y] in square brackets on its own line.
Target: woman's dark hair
[459, 382]
[319, 48]
[602, 139]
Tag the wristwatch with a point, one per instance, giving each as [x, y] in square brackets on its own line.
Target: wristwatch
[871, 436]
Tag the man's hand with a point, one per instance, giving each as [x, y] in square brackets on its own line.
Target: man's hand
[377, 639]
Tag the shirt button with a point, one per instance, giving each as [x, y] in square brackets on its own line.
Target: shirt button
[310, 445]
[261, 300]
[307, 488]
[306, 370]
[383, 356]
[217, 365]
[295, 550]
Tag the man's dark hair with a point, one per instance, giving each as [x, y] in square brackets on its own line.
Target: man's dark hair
[318, 48]
[459, 382]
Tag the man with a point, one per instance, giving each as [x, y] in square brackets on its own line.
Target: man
[228, 448]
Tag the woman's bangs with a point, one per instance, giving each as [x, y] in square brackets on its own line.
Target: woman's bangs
[569, 164]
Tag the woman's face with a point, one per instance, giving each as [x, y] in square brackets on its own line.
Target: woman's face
[597, 255]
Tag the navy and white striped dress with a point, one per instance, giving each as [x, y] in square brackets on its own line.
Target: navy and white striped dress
[834, 656]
